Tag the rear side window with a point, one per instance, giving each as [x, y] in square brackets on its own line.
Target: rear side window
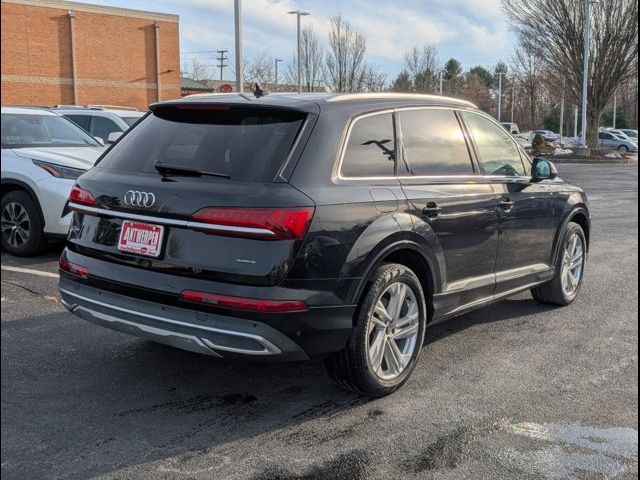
[433, 143]
[244, 144]
[80, 120]
[102, 127]
[370, 150]
[499, 154]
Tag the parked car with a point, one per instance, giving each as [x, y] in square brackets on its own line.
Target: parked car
[547, 135]
[293, 226]
[623, 135]
[510, 127]
[523, 142]
[611, 140]
[104, 122]
[42, 155]
[632, 134]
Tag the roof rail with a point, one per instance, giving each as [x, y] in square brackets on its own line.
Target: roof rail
[394, 96]
[97, 107]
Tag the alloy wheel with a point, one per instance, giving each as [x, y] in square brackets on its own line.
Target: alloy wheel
[392, 331]
[15, 224]
[572, 264]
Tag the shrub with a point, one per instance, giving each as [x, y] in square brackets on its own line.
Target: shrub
[538, 144]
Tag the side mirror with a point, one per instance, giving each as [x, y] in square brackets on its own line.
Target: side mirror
[113, 136]
[543, 170]
[99, 140]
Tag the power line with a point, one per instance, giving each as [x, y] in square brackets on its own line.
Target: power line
[221, 58]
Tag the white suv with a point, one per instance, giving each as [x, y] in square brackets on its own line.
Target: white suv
[42, 155]
[101, 121]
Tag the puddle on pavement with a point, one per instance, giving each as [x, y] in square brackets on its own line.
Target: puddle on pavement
[572, 451]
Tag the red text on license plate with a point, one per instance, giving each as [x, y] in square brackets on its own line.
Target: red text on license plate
[140, 238]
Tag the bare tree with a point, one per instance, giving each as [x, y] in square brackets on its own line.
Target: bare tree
[312, 65]
[346, 58]
[259, 69]
[527, 70]
[422, 64]
[195, 70]
[374, 79]
[553, 29]
[403, 82]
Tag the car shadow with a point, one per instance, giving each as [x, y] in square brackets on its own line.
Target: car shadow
[79, 400]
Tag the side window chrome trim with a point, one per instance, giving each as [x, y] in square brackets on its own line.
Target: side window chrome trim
[345, 141]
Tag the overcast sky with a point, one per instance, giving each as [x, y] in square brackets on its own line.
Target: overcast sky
[473, 31]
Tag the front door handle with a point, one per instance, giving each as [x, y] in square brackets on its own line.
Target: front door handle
[506, 205]
[431, 210]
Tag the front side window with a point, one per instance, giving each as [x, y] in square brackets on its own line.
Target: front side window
[433, 143]
[80, 120]
[21, 130]
[370, 150]
[499, 154]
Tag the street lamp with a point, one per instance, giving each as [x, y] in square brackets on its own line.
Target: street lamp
[275, 87]
[585, 70]
[299, 13]
[239, 60]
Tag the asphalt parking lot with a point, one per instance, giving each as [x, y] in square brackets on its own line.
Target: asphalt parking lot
[516, 390]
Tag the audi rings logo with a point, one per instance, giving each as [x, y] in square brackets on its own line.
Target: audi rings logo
[136, 198]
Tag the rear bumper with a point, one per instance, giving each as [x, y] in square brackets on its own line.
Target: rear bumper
[318, 332]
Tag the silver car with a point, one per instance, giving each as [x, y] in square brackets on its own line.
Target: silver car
[104, 122]
[616, 142]
[42, 155]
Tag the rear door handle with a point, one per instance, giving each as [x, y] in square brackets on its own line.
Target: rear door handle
[431, 210]
[506, 205]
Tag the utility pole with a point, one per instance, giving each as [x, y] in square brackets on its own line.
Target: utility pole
[299, 13]
[564, 81]
[575, 122]
[239, 59]
[513, 99]
[615, 108]
[441, 72]
[500, 95]
[275, 87]
[585, 70]
[221, 59]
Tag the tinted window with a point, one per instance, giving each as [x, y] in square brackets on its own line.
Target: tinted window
[605, 136]
[80, 120]
[499, 154]
[130, 120]
[434, 143]
[371, 147]
[32, 130]
[102, 127]
[245, 144]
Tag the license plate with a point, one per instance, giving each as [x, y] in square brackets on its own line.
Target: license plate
[140, 238]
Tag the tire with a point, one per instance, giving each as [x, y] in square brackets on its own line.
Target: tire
[18, 208]
[623, 148]
[554, 291]
[352, 368]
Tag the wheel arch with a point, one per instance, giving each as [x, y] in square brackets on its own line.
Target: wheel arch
[411, 255]
[580, 215]
[12, 185]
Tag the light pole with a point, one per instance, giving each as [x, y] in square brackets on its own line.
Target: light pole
[239, 59]
[513, 99]
[562, 110]
[500, 95]
[441, 72]
[575, 122]
[615, 108]
[275, 87]
[299, 13]
[585, 69]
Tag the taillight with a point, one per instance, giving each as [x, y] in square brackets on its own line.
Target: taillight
[265, 223]
[239, 303]
[72, 268]
[82, 197]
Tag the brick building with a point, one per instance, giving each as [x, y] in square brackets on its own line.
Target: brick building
[59, 52]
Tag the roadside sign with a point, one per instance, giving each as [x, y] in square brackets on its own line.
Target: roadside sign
[226, 88]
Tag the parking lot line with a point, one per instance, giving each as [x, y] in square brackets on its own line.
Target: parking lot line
[30, 271]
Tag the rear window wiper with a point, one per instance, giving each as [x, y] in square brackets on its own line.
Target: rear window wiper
[165, 169]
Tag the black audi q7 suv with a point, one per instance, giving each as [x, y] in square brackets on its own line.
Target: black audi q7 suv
[291, 226]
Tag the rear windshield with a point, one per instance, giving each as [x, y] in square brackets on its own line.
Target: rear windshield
[244, 144]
